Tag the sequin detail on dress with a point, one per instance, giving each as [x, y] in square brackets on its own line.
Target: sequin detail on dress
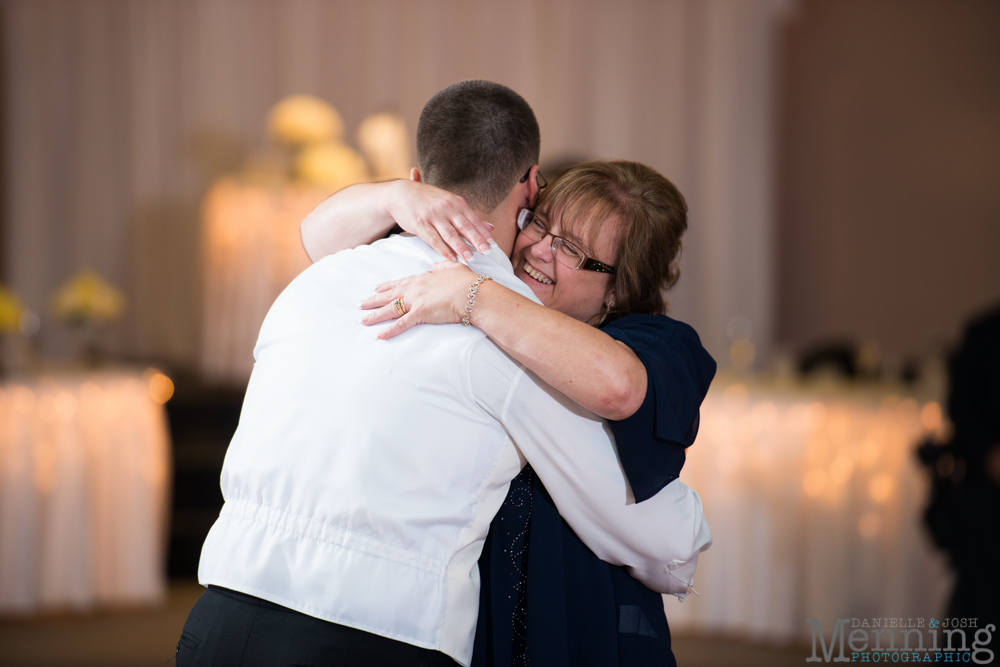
[515, 529]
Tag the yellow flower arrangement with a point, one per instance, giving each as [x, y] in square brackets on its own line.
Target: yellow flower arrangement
[11, 310]
[300, 120]
[330, 166]
[87, 299]
[386, 144]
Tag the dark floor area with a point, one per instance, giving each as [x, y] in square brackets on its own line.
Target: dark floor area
[147, 637]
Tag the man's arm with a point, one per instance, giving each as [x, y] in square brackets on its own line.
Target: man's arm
[573, 453]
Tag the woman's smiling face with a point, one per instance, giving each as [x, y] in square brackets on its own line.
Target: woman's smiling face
[578, 293]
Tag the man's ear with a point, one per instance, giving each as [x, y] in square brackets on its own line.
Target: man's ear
[532, 184]
[415, 174]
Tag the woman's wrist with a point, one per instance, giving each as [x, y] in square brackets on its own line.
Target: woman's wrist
[470, 303]
[487, 296]
[392, 195]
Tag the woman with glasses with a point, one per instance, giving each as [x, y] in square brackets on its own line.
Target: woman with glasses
[598, 251]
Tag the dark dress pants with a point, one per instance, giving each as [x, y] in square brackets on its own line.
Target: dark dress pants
[230, 629]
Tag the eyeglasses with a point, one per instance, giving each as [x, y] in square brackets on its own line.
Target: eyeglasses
[542, 183]
[566, 252]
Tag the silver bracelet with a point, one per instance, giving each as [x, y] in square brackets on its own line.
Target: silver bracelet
[472, 299]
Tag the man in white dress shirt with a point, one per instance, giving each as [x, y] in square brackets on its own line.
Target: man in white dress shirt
[363, 477]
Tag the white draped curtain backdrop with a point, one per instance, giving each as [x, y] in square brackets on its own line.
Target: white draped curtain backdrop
[120, 115]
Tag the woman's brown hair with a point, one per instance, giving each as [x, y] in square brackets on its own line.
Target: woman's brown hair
[649, 215]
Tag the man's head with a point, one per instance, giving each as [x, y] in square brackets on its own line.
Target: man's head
[479, 139]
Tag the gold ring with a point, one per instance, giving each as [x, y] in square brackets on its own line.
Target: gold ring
[399, 306]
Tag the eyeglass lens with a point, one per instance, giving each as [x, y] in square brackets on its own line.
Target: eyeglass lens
[564, 251]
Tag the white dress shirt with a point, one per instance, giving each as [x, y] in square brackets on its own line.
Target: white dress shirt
[364, 474]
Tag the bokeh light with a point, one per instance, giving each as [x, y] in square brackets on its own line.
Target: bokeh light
[931, 416]
[161, 388]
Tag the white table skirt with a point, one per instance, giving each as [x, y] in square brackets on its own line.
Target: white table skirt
[84, 464]
[815, 501]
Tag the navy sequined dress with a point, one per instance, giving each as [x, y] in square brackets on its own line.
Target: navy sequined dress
[546, 599]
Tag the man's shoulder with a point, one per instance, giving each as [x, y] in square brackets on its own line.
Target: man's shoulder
[365, 266]
[385, 249]
[497, 266]
[493, 264]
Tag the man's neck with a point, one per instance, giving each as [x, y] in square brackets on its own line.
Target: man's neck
[503, 231]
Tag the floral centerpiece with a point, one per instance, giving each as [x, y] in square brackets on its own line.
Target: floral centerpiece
[313, 133]
[299, 120]
[11, 311]
[88, 304]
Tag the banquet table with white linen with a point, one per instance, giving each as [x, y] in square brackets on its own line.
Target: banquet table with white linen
[84, 463]
[815, 501]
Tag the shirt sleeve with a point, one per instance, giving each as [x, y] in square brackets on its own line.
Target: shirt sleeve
[652, 442]
[573, 453]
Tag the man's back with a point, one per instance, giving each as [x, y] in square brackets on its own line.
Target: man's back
[363, 476]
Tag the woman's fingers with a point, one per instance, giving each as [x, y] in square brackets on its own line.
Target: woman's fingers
[475, 230]
[386, 313]
[461, 227]
[434, 297]
[450, 220]
[446, 236]
[377, 300]
[399, 326]
[381, 315]
[435, 238]
[455, 218]
[440, 218]
[448, 232]
[389, 285]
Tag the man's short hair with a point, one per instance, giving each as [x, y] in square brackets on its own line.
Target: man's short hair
[477, 139]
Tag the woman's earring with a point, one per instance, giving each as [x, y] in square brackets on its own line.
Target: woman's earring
[607, 309]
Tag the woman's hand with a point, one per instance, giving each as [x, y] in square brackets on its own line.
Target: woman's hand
[438, 217]
[437, 296]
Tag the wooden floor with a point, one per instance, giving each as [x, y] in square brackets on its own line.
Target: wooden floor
[146, 638]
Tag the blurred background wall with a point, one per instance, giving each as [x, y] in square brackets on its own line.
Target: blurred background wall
[889, 214]
[120, 114]
[841, 159]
